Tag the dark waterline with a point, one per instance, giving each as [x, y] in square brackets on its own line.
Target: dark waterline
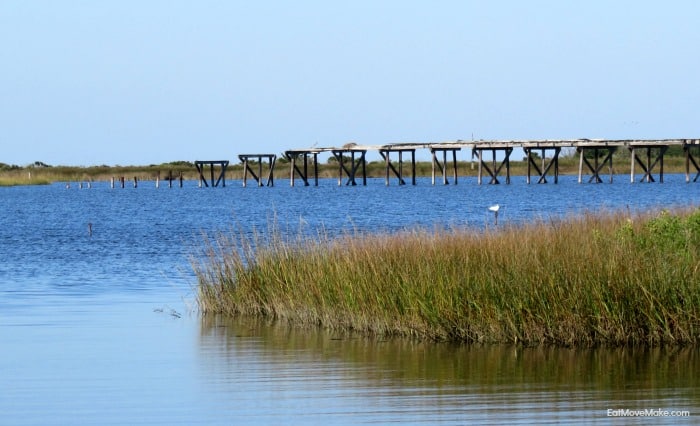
[102, 328]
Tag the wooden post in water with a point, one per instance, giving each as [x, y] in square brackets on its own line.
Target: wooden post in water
[454, 165]
[340, 168]
[595, 163]
[112, 182]
[580, 165]
[316, 168]
[245, 172]
[122, 181]
[444, 167]
[478, 154]
[158, 180]
[136, 182]
[292, 164]
[413, 167]
[387, 163]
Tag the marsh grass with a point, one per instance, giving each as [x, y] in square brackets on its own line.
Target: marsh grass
[609, 279]
[16, 179]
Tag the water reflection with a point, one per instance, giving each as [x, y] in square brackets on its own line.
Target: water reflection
[288, 370]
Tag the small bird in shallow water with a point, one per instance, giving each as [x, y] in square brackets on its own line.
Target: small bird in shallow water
[495, 208]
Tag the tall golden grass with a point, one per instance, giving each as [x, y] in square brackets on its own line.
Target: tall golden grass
[608, 279]
[595, 279]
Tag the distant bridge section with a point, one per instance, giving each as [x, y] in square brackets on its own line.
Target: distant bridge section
[542, 158]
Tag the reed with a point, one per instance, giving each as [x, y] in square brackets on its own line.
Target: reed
[596, 279]
[17, 180]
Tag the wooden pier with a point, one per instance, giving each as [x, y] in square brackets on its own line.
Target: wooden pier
[494, 158]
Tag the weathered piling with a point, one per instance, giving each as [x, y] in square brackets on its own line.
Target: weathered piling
[355, 163]
[648, 166]
[386, 155]
[597, 166]
[246, 159]
[546, 165]
[495, 169]
[294, 170]
[443, 167]
[690, 159]
[200, 166]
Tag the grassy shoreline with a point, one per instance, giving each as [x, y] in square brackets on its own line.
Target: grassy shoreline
[591, 280]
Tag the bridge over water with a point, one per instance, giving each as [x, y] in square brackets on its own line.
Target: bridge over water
[493, 159]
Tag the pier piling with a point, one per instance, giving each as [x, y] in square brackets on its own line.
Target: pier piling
[386, 155]
[246, 159]
[200, 166]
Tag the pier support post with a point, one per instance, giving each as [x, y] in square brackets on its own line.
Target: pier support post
[354, 165]
[294, 169]
[690, 159]
[648, 165]
[546, 166]
[271, 159]
[598, 165]
[443, 167]
[495, 168]
[386, 155]
[200, 165]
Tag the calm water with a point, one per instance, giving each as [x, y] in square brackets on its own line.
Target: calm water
[103, 328]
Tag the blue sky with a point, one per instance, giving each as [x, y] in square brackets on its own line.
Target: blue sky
[142, 82]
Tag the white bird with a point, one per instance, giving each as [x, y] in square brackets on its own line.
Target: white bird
[495, 209]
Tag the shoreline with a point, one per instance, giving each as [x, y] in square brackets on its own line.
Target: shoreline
[587, 281]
